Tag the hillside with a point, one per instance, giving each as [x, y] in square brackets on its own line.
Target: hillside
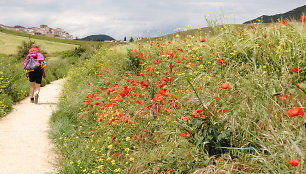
[9, 43]
[30, 36]
[99, 37]
[290, 15]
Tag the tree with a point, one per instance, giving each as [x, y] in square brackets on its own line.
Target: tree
[124, 39]
[131, 40]
[23, 49]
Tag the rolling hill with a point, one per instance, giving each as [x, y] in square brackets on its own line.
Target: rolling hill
[290, 15]
[99, 37]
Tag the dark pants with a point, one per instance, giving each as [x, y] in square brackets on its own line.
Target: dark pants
[36, 76]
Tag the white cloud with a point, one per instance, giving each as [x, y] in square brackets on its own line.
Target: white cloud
[119, 18]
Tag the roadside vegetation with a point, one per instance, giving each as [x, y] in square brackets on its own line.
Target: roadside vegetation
[231, 101]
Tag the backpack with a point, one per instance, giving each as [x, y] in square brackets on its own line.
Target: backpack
[31, 63]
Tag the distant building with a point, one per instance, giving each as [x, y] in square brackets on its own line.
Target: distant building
[42, 30]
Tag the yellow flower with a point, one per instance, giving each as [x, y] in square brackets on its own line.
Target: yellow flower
[118, 170]
[126, 149]
[110, 146]
[127, 139]
[113, 162]
[132, 159]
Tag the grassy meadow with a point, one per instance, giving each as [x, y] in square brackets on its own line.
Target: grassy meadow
[232, 101]
[9, 43]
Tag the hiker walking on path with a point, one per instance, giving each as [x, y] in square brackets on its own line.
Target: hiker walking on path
[35, 66]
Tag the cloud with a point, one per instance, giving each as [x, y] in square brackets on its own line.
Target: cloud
[119, 18]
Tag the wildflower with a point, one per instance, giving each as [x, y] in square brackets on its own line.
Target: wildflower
[139, 101]
[140, 74]
[203, 40]
[219, 159]
[297, 84]
[179, 49]
[225, 86]
[283, 97]
[295, 70]
[169, 170]
[185, 134]
[302, 18]
[167, 79]
[222, 110]
[296, 111]
[197, 113]
[294, 162]
[284, 22]
[127, 138]
[222, 62]
[184, 117]
[212, 103]
[110, 146]
[257, 20]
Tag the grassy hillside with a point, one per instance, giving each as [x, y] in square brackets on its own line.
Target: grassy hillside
[233, 102]
[9, 43]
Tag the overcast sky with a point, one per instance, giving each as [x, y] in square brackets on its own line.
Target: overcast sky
[119, 18]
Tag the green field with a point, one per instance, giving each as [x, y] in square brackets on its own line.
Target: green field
[9, 43]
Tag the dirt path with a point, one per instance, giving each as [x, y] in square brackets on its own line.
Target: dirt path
[24, 144]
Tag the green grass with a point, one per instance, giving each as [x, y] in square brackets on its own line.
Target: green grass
[160, 108]
[9, 43]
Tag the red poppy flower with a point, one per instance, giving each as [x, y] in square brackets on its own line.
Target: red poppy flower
[283, 97]
[185, 134]
[257, 20]
[203, 40]
[197, 113]
[222, 110]
[139, 101]
[169, 170]
[296, 111]
[284, 22]
[294, 162]
[167, 79]
[302, 18]
[295, 70]
[225, 86]
[297, 84]
[222, 62]
[179, 49]
[140, 74]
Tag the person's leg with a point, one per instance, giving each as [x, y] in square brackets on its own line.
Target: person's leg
[37, 87]
[32, 89]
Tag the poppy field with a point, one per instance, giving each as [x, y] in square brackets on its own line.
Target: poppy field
[230, 102]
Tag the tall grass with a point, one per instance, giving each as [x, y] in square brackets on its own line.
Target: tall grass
[196, 104]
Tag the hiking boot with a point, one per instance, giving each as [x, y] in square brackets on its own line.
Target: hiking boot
[32, 99]
[36, 98]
